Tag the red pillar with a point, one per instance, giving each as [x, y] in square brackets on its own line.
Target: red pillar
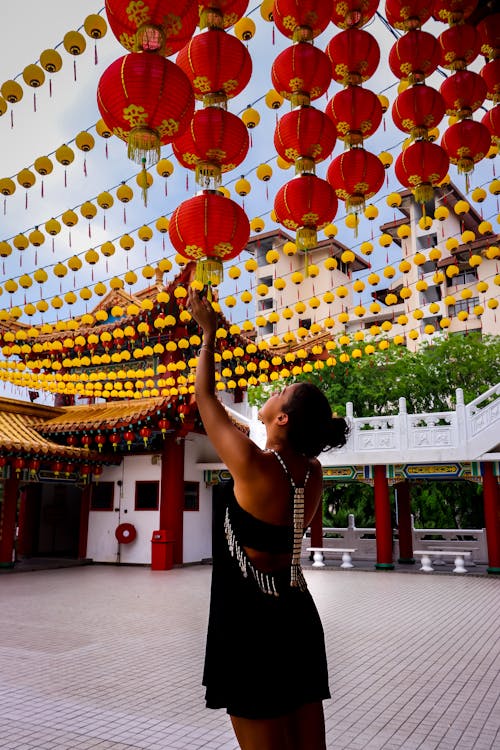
[8, 513]
[317, 527]
[172, 493]
[491, 498]
[84, 521]
[404, 524]
[383, 520]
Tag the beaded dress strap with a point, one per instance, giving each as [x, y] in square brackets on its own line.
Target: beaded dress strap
[297, 579]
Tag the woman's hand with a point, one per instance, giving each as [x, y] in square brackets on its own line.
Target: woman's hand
[203, 312]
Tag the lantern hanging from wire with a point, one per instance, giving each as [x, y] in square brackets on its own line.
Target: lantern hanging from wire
[215, 142]
[415, 56]
[305, 136]
[209, 229]
[491, 75]
[305, 204]
[492, 121]
[453, 11]
[489, 36]
[463, 93]
[417, 110]
[356, 175]
[356, 113]
[421, 167]
[348, 14]
[406, 15]
[221, 13]
[162, 26]
[218, 66]
[301, 73]
[466, 143]
[147, 101]
[354, 55]
[302, 20]
[459, 46]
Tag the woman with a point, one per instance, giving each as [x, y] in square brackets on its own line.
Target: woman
[265, 657]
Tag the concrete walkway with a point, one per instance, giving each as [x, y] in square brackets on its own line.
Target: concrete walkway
[105, 658]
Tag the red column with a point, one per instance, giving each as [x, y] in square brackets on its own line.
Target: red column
[404, 524]
[172, 493]
[317, 527]
[84, 521]
[8, 512]
[491, 498]
[383, 520]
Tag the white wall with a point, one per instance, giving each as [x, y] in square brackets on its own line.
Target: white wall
[102, 545]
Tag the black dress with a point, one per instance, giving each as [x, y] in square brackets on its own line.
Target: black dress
[265, 652]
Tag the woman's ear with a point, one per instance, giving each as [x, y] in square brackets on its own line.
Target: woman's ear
[282, 418]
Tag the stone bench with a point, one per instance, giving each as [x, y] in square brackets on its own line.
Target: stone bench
[320, 552]
[459, 556]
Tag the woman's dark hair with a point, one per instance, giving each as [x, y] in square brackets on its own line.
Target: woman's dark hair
[311, 426]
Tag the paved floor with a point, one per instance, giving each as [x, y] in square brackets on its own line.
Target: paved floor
[105, 658]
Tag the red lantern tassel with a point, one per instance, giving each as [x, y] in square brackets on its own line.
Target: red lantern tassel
[50, 88]
[96, 61]
[34, 102]
[85, 167]
[74, 70]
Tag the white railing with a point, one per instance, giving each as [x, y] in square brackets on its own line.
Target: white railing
[364, 542]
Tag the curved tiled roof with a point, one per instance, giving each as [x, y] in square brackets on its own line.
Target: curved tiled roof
[18, 435]
[103, 415]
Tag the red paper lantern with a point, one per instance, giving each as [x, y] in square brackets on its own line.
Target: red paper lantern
[72, 440]
[163, 26]
[417, 110]
[305, 204]
[354, 54]
[217, 64]
[147, 101]
[86, 441]
[492, 121]
[145, 433]
[164, 425]
[85, 470]
[18, 465]
[114, 439]
[209, 228]
[453, 11]
[459, 46]
[408, 14]
[356, 114]
[129, 437]
[356, 175]
[463, 93]
[100, 441]
[221, 13]
[301, 73]
[33, 465]
[302, 20]
[215, 142]
[491, 75]
[349, 13]
[56, 467]
[489, 36]
[414, 56]
[305, 136]
[466, 143]
[421, 167]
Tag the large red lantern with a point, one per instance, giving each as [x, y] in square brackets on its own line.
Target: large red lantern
[414, 56]
[466, 143]
[354, 54]
[305, 136]
[417, 110]
[209, 228]
[408, 14]
[215, 142]
[163, 26]
[420, 167]
[356, 175]
[492, 121]
[221, 13]
[491, 75]
[356, 113]
[217, 64]
[305, 204]
[353, 13]
[301, 73]
[302, 20]
[147, 101]
[489, 36]
[459, 46]
[463, 93]
[453, 11]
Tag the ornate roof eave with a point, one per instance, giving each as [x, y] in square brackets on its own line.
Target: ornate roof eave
[104, 416]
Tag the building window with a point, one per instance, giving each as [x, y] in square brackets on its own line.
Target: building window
[191, 496]
[465, 277]
[147, 495]
[265, 304]
[463, 304]
[426, 241]
[305, 323]
[102, 496]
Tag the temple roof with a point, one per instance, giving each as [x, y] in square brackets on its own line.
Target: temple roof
[103, 415]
